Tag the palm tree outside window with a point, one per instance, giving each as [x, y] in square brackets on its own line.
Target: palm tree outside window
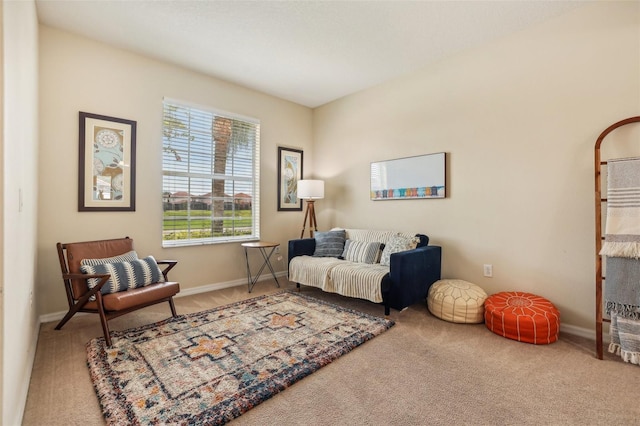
[210, 182]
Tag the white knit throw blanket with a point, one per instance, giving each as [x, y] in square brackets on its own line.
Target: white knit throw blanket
[622, 229]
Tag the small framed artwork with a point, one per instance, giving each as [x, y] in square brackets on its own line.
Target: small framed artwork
[107, 163]
[422, 176]
[289, 173]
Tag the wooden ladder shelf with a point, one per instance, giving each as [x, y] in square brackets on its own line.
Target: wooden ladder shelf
[600, 201]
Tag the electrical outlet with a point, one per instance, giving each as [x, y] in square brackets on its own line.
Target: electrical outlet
[278, 249]
[487, 270]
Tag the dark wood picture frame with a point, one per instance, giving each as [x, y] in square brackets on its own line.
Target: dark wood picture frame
[106, 163]
[290, 162]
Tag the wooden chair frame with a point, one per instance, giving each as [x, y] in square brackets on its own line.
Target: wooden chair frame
[78, 304]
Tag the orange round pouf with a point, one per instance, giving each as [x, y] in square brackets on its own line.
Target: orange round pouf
[524, 317]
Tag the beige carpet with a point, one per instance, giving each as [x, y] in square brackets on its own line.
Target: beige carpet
[422, 371]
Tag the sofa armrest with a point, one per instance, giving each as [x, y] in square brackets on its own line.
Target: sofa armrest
[412, 272]
[301, 247]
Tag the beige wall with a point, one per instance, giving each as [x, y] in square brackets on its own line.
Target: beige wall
[19, 203]
[77, 74]
[518, 119]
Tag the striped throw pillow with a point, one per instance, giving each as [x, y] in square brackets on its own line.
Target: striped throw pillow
[361, 251]
[329, 244]
[127, 257]
[125, 275]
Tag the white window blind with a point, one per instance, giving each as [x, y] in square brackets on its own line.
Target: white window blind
[210, 176]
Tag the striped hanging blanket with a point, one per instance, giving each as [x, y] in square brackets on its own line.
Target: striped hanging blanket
[622, 229]
[622, 249]
[625, 338]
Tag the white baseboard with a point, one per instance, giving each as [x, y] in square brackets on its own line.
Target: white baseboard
[24, 392]
[577, 331]
[57, 316]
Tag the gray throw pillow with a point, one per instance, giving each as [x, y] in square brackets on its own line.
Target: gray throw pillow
[329, 244]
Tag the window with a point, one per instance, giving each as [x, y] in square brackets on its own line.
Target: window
[210, 176]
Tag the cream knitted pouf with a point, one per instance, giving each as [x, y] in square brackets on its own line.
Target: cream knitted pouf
[457, 301]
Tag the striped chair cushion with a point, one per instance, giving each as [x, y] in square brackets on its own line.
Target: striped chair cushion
[127, 257]
[125, 275]
[359, 280]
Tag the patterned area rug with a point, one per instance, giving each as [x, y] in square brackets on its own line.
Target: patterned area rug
[210, 367]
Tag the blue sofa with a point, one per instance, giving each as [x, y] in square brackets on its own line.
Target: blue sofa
[407, 280]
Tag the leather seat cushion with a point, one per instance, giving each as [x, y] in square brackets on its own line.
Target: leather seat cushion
[137, 296]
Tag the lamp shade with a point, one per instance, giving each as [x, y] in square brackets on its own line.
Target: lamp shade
[311, 189]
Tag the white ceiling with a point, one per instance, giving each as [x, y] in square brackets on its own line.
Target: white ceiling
[308, 52]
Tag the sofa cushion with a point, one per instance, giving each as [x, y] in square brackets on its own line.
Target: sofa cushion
[369, 235]
[372, 235]
[359, 280]
[396, 244]
[330, 243]
[125, 275]
[361, 251]
[312, 271]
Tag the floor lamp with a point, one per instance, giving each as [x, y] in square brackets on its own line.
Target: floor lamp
[310, 190]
